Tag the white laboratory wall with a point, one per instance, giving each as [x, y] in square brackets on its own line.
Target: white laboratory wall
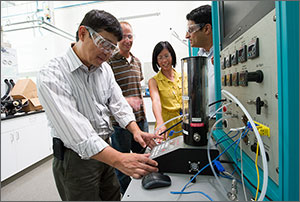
[151, 22]
[161, 18]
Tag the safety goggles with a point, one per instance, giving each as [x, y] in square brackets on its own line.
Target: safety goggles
[166, 56]
[101, 42]
[195, 27]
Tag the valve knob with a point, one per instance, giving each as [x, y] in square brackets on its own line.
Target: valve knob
[259, 105]
[256, 76]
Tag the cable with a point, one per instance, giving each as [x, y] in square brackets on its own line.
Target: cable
[219, 109]
[192, 192]
[225, 161]
[229, 138]
[168, 122]
[224, 136]
[237, 129]
[211, 163]
[222, 100]
[207, 166]
[256, 157]
[170, 128]
[235, 149]
[231, 130]
[223, 190]
[252, 184]
[262, 149]
[229, 177]
[233, 170]
[242, 170]
[144, 149]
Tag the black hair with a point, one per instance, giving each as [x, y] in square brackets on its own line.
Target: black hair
[100, 20]
[200, 15]
[157, 49]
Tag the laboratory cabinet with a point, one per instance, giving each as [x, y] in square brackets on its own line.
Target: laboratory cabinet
[25, 140]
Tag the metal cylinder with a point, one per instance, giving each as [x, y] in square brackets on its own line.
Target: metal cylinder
[195, 100]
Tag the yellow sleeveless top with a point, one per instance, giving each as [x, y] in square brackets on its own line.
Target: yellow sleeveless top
[170, 98]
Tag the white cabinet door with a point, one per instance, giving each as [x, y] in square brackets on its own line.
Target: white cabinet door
[28, 145]
[33, 142]
[8, 155]
[43, 134]
[24, 141]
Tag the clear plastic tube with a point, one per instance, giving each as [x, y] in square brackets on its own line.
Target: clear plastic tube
[260, 142]
[168, 122]
[219, 109]
[242, 169]
[223, 190]
[237, 129]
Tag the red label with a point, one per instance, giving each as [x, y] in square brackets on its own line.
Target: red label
[197, 124]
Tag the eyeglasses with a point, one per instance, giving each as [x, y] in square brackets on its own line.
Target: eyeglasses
[163, 56]
[129, 36]
[195, 27]
[101, 42]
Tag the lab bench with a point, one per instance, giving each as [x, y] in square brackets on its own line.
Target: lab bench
[204, 183]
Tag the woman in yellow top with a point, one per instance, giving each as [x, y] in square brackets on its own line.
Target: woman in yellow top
[165, 88]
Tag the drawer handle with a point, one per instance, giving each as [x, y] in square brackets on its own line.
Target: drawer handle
[11, 137]
[17, 135]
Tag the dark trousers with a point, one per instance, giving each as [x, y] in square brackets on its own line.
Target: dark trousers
[123, 141]
[84, 180]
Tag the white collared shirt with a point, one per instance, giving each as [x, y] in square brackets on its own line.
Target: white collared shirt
[78, 103]
[211, 77]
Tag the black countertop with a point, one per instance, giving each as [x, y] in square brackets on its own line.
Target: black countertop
[21, 114]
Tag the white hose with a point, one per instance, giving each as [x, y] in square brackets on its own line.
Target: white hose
[260, 142]
[223, 190]
[168, 122]
[242, 169]
[219, 109]
[237, 129]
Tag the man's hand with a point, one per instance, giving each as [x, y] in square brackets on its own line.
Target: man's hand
[134, 102]
[136, 165]
[132, 164]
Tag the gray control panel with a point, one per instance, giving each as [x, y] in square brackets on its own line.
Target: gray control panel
[249, 72]
[168, 146]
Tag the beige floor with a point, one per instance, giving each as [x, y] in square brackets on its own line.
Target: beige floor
[37, 184]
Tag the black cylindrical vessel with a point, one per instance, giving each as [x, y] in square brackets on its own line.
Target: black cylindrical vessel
[195, 100]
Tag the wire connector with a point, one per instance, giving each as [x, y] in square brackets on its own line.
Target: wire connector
[219, 166]
[262, 129]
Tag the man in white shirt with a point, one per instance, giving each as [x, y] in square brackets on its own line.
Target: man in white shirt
[78, 92]
[199, 33]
